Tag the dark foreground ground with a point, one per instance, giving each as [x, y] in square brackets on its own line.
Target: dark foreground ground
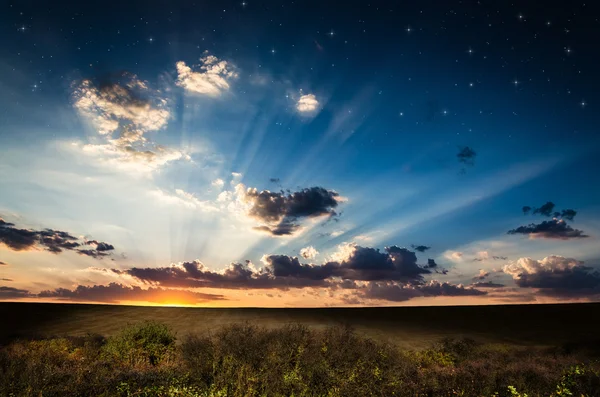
[408, 327]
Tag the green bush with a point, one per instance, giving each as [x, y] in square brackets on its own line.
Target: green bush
[146, 343]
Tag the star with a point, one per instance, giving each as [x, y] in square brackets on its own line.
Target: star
[244, 4]
[548, 23]
[408, 29]
[401, 113]
[331, 33]
[568, 50]
[272, 50]
[583, 103]
[22, 28]
[445, 112]
[471, 84]
[520, 16]
[151, 40]
[470, 50]
[516, 82]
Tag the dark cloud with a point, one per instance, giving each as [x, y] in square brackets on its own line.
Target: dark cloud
[546, 209]
[237, 276]
[466, 155]
[396, 292]
[568, 214]
[554, 229]
[494, 257]
[3, 263]
[100, 246]
[553, 272]
[281, 212]
[431, 264]
[486, 284]
[54, 241]
[13, 293]
[17, 239]
[420, 248]
[285, 272]
[6, 279]
[502, 258]
[114, 292]
[96, 254]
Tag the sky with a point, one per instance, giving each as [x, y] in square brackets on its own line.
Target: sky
[299, 154]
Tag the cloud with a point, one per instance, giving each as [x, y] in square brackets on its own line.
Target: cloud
[307, 103]
[486, 284]
[183, 199]
[212, 78]
[420, 248]
[392, 291]
[309, 252]
[114, 293]
[123, 111]
[482, 275]
[285, 272]
[3, 263]
[54, 241]
[554, 229]
[280, 212]
[13, 293]
[553, 272]
[466, 156]
[218, 183]
[100, 246]
[546, 209]
[455, 256]
[236, 276]
[431, 264]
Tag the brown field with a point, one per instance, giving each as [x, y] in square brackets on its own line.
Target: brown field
[408, 327]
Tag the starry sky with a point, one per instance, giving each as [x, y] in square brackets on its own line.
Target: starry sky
[308, 153]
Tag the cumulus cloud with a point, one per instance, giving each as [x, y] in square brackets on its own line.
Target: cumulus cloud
[455, 256]
[309, 252]
[553, 272]
[123, 111]
[218, 183]
[114, 293]
[54, 241]
[307, 103]
[211, 78]
[279, 212]
[554, 229]
[393, 291]
[13, 293]
[482, 275]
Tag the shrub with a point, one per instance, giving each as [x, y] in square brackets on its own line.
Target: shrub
[141, 344]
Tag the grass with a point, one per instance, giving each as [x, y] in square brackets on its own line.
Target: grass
[148, 358]
[407, 327]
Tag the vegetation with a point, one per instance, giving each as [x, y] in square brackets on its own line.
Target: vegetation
[146, 359]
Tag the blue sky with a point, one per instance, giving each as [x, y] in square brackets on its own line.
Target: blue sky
[148, 127]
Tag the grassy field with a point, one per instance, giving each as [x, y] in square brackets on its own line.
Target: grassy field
[408, 327]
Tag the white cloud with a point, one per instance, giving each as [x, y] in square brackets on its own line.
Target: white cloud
[309, 252]
[550, 264]
[344, 252]
[307, 103]
[212, 79]
[454, 256]
[218, 183]
[184, 199]
[131, 109]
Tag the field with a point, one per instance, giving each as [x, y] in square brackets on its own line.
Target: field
[408, 327]
[493, 351]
